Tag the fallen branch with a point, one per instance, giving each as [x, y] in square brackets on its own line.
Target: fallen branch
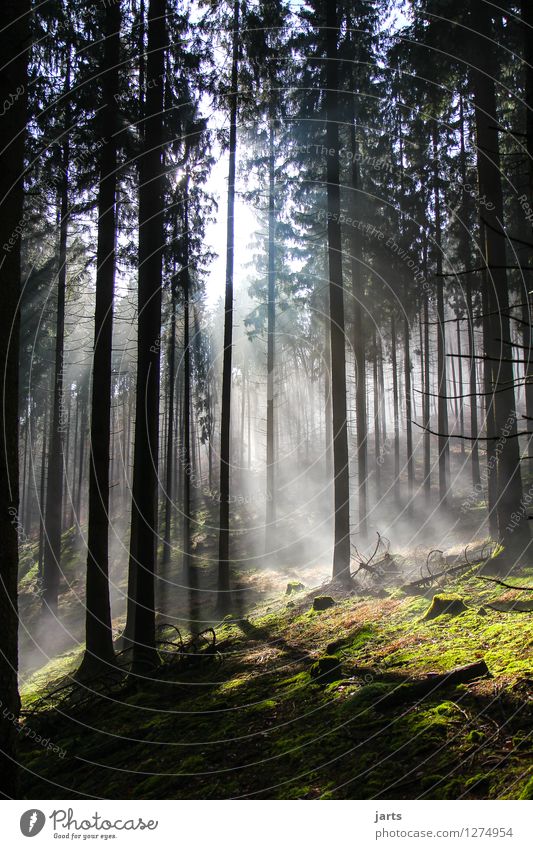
[503, 584]
[425, 583]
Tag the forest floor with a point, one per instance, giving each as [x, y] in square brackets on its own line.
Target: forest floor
[284, 701]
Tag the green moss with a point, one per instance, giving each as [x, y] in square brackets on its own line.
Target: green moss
[326, 669]
[294, 587]
[527, 792]
[370, 696]
[446, 709]
[252, 706]
[480, 783]
[444, 606]
[475, 737]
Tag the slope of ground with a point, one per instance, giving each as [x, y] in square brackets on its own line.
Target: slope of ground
[296, 703]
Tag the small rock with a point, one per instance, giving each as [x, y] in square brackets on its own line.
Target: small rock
[326, 670]
[294, 587]
[323, 602]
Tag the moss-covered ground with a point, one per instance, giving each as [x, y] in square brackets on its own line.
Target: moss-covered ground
[295, 703]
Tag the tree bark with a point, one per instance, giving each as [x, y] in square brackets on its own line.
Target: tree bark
[442, 382]
[465, 252]
[169, 463]
[527, 26]
[54, 484]
[99, 652]
[341, 486]
[427, 405]
[146, 449]
[223, 588]
[271, 330]
[509, 479]
[14, 39]
[396, 413]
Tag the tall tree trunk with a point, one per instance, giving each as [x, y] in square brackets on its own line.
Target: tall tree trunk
[442, 383]
[189, 569]
[465, 253]
[223, 588]
[84, 393]
[74, 458]
[66, 456]
[146, 450]
[341, 551]
[459, 400]
[42, 492]
[382, 395]
[24, 477]
[271, 330]
[14, 39]
[359, 345]
[515, 538]
[169, 471]
[377, 440]
[54, 484]
[328, 414]
[527, 26]
[474, 427]
[396, 412]
[427, 401]
[99, 652]
[408, 412]
[487, 307]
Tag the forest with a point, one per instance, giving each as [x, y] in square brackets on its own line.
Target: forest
[266, 350]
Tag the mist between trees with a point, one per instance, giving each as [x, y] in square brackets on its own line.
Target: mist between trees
[361, 365]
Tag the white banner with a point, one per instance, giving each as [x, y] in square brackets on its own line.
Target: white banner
[268, 824]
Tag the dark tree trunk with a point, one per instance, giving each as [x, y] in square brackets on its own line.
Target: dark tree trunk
[14, 39]
[223, 588]
[527, 341]
[24, 478]
[459, 400]
[514, 539]
[465, 253]
[42, 493]
[169, 462]
[84, 401]
[442, 383]
[487, 307]
[341, 551]
[408, 411]
[189, 569]
[427, 399]
[382, 396]
[396, 412]
[54, 483]
[66, 455]
[74, 458]
[377, 435]
[271, 330]
[99, 652]
[146, 450]
[474, 427]
[359, 345]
